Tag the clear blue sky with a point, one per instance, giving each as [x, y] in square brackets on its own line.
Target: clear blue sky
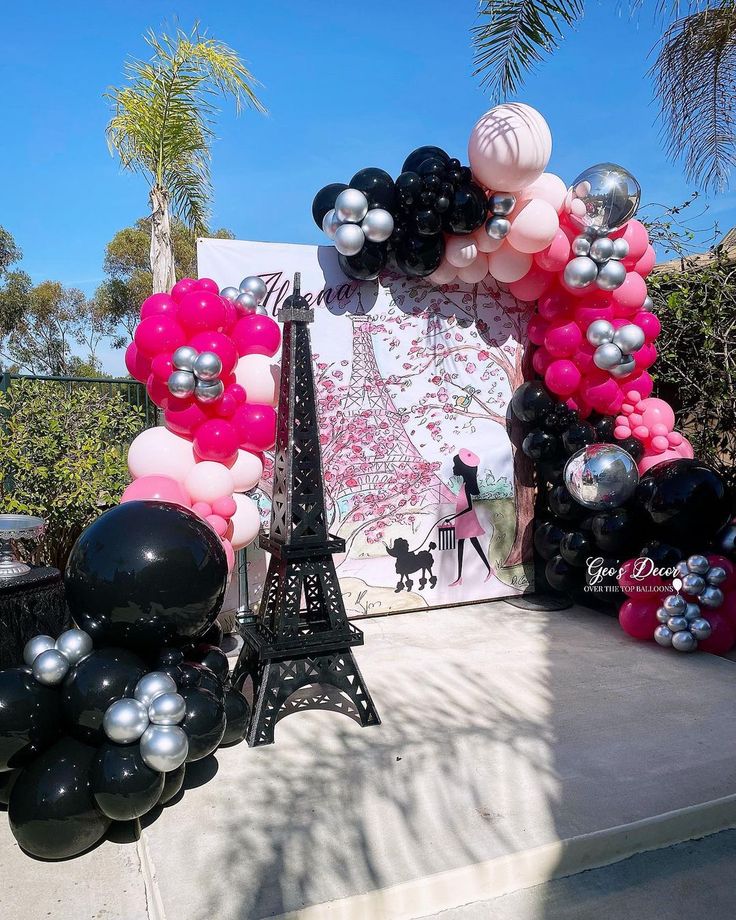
[347, 85]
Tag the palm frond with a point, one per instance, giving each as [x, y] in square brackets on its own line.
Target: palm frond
[515, 35]
[188, 184]
[695, 77]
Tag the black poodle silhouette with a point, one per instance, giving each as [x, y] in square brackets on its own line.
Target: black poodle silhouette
[408, 562]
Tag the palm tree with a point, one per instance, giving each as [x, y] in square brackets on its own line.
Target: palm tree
[694, 71]
[162, 127]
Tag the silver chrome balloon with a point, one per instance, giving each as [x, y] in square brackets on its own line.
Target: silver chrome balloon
[349, 239]
[663, 614]
[626, 366]
[663, 635]
[184, 357]
[629, 338]
[351, 206]
[684, 641]
[601, 476]
[716, 575]
[581, 246]
[601, 250]
[208, 366]
[700, 628]
[607, 356]
[167, 709]
[648, 303]
[74, 645]
[230, 293]
[698, 564]
[35, 646]
[378, 225]
[246, 302]
[208, 391]
[580, 272]
[693, 584]
[330, 223]
[152, 685]
[677, 624]
[501, 203]
[611, 276]
[711, 596]
[50, 667]
[610, 195]
[498, 228]
[692, 612]
[125, 721]
[599, 332]
[254, 285]
[181, 383]
[675, 604]
[164, 747]
[620, 249]
[682, 569]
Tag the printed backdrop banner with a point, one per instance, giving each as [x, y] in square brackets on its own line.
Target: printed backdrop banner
[413, 383]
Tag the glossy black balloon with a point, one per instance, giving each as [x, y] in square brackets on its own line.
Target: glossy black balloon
[576, 548]
[170, 656]
[686, 503]
[563, 505]
[173, 781]
[663, 555]
[122, 785]
[561, 576]
[409, 187]
[551, 471]
[199, 675]
[578, 435]
[428, 222]
[418, 256]
[52, 813]
[377, 186]
[30, 717]
[7, 781]
[467, 211]
[367, 264]
[558, 418]
[632, 446]
[529, 401]
[204, 722]
[603, 427]
[434, 168]
[614, 531]
[146, 574]
[540, 445]
[108, 674]
[547, 539]
[211, 657]
[213, 635]
[237, 716]
[418, 156]
[324, 201]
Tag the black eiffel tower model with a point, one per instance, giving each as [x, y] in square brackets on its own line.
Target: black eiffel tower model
[292, 646]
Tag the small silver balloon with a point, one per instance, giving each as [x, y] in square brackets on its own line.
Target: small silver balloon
[711, 596]
[698, 564]
[580, 272]
[684, 641]
[692, 612]
[152, 685]
[601, 476]
[35, 646]
[581, 246]
[330, 223]
[626, 366]
[349, 239]
[184, 357]
[167, 709]
[378, 225]
[607, 356]
[611, 276]
[629, 338]
[125, 721]
[601, 250]
[716, 575]
[246, 302]
[208, 366]
[700, 628]
[498, 228]
[610, 195]
[254, 285]
[620, 249]
[208, 391]
[50, 667]
[181, 383]
[676, 624]
[675, 604]
[599, 332]
[230, 293]
[682, 569]
[693, 584]
[648, 303]
[74, 645]
[663, 635]
[164, 747]
[351, 206]
[501, 203]
[663, 614]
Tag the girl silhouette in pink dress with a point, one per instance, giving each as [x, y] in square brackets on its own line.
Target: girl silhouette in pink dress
[467, 525]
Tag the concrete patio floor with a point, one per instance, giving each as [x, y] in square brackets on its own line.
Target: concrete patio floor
[516, 747]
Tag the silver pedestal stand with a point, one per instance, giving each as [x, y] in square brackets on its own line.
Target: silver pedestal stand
[17, 527]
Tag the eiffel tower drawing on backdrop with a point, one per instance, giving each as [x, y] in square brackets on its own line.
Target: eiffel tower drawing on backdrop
[298, 653]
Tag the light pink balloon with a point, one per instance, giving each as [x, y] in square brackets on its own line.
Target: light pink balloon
[484, 242]
[246, 471]
[508, 264]
[509, 147]
[460, 251]
[259, 377]
[646, 263]
[635, 234]
[229, 555]
[444, 274]
[476, 271]
[208, 481]
[554, 258]
[156, 488]
[534, 283]
[534, 226]
[549, 188]
[217, 523]
[246, 521]
[160, 452]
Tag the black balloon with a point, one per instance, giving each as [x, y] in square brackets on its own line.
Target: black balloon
[418, 156]
[213, 635]
[367, 264]
[377, 186]
[199, 675]
[30, 717]
[663, 555]
[560, 575]
[576, 548]
[170, 656]
[173, 781]
[108, 674]
[632, 446]
[324, 201]
[529, 401]
[614, 531]
[603, 426]
[686, 502]
[146, 574]
[237, 716]
[408, 189]
[578, 435]
[418, 256]
[7, 781]
[467, 211]
[547, 539]
[122, 785]
[428, 222]
[558, 418]
[204, 722]
[551, 471]
[211, 657]
[563, 505]
[52, 813]
[539, 445]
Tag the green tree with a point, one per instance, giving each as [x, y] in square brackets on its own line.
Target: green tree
[163, 128]
[693, 73]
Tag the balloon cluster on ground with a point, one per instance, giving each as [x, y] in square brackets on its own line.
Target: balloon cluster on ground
[100, 724]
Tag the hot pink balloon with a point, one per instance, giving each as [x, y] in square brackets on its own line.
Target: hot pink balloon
[509, 147]
[643, 383]
[555, 257]
[156, 488]
[541, 360]
[649, 324]
[638, 617]
[158, 333]
[563, 339]
[601, 394]
[460, 251]
[256, 426]
[219, 343]
[654, 411]
[645, 356]
[256, 335]
[583, 358]
[186, 420]
[182, 287]
[157, 304]
[562, 377]
[138, 365]
[537, 329]
[507, 264]
[589, 310]
[216, 439]
[206, 284]
[202, 509]
[548, 187]
[635, 234]
[217, 523]
[533, 226]
[162, 367]
[722, 637]
[201, 311]
[554, 304]
[632, 293]
[534, 283]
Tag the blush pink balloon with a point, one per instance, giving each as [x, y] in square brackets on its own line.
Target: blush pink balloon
[246, 471]
[201, 311]
[256, 335]
[460, 251]
[202, 509]
[157, 304]
[509, 147]
[646, 263]
[484, 242]
[554, 257]
[156, 488]
[534, 283]
[256, 426]
[533, 226]
[638, 617]
[444, 274]
[208, 481]
[217, 523]
[182, 287]
[507, 264]
[476, 271]
[206, 284]
[158, 333]
[562, 377]
[229, 555]
[221, 345]
[159, 452]
[246, 522]
[138, 365]
[563, 339]
[217, 440]
[548, 187]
